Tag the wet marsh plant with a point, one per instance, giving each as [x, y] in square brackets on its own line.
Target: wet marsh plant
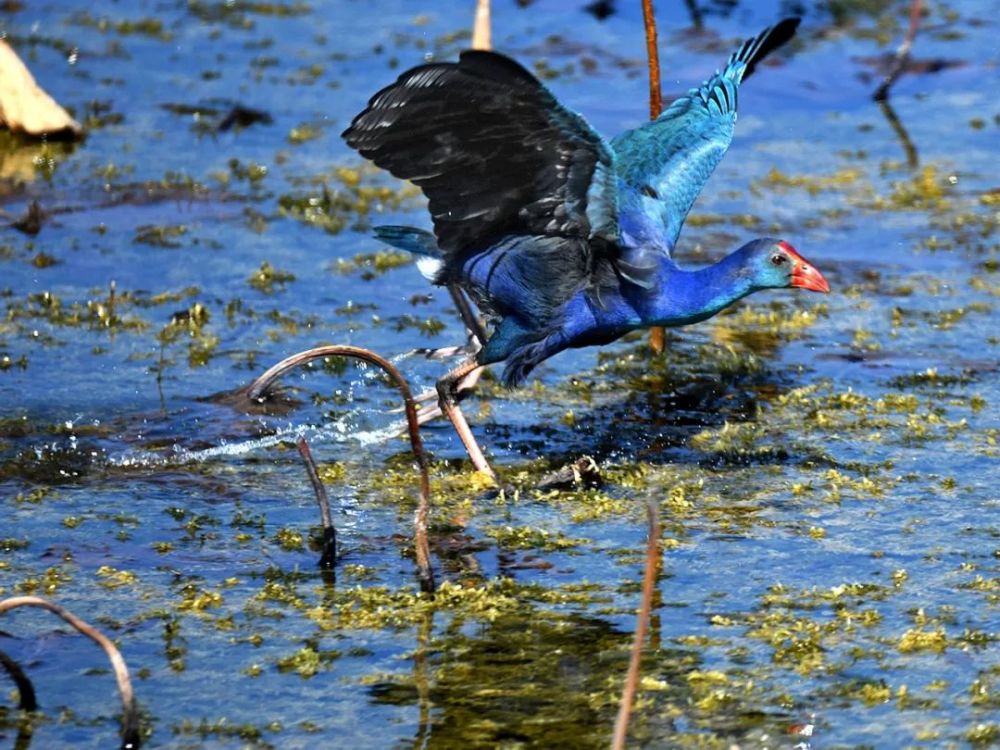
[841, 450]
[649, 579]
[258, 391]
[131, 728]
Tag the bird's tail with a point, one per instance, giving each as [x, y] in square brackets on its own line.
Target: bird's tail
[420, 242]
[744, 60]
[522, 362]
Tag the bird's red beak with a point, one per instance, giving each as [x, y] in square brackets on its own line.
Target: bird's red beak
[804, 274]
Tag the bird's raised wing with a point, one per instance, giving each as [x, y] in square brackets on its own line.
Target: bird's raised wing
[493, 151]
[664, 164]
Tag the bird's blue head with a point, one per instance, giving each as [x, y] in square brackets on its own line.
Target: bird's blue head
[774, 264]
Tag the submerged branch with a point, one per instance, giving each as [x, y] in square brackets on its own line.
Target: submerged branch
[260, 386]
[130, 714]
[648, 584]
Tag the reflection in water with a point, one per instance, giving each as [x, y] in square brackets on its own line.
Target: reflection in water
[23, 161]
[897, 127]
[695, 13]
[422, 681]
[553, 684]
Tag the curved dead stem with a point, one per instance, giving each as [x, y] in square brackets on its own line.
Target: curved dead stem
[260, 386]
[657, 335]
[130, 714]
[25, 690]
[328, 556]
[648, 584]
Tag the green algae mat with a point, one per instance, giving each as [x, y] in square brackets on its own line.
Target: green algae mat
[826, 467]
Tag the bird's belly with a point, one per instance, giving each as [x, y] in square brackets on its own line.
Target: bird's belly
[681, 319]
[588, 322]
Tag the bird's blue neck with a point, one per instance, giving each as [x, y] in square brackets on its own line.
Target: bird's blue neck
[690, 296]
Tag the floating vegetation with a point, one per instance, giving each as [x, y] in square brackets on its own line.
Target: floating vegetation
[347, 204]
[149, 27]
[266, 278]
[824, 468]
[373, 265]
[160, 236]
[844, 178]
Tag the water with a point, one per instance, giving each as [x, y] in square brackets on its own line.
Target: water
[825, 466]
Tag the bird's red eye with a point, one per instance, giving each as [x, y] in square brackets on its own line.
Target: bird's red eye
[778, 258]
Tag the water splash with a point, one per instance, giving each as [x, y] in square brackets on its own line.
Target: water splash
[341, 430]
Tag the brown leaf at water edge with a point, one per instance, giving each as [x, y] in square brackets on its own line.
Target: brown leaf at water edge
[25, 107]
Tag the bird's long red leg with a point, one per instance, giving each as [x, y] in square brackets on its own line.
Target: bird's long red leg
[462, 389]
[447, 397]
[469, 316]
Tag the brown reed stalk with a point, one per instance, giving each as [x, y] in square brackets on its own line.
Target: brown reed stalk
[657, 334]
[328, 555]
[648, 584]
[259, 387]
[902, 54]
[25, 690]
[130, 714]
[481, 36]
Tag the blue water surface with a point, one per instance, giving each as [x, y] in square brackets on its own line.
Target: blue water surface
[825, 467]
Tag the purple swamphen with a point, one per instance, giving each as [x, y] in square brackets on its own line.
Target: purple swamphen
[562, 238]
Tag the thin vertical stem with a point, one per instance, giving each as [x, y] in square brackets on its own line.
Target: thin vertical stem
[657, 335]
[902, 54]
[328, 554]
[653, 56]
[648, 585]
[481, 36]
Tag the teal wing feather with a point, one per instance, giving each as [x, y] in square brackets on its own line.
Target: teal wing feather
[663, 165]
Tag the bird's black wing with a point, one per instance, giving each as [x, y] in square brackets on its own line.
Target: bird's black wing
[494, 153]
